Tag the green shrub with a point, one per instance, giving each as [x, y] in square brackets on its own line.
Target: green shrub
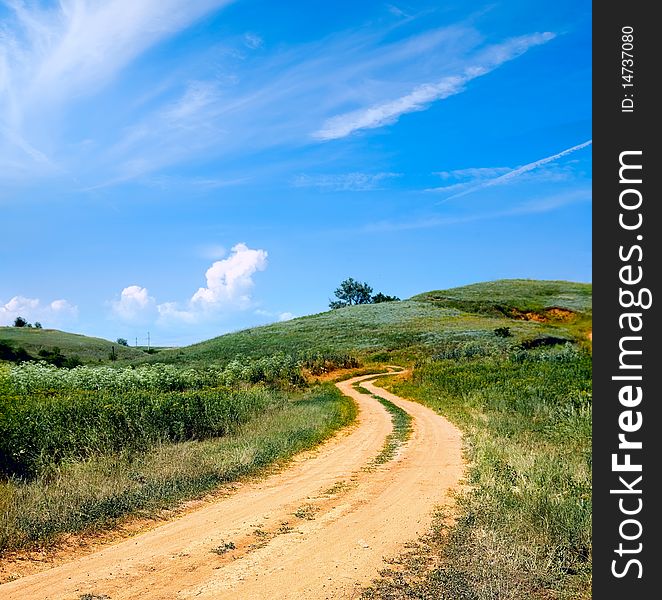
[46, 428]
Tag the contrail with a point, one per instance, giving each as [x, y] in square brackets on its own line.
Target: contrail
[523, 169]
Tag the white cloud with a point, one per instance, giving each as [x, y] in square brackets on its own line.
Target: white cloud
[253, 41]
[170, 311]
[63, 307]
[286, 316]
[385, 113]
[79, 45]
[229, 281]
[344, 182]
[135, 303]
[279, 99]
[514, 173]
[473, 173]
[56, 63]
[539, 205]
[229, 286]
[536, 164]
[49, 314]
[51, 57]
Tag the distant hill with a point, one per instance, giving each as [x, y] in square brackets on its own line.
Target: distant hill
[87, 350]
[511, 297]
[405, 330]
[416, 327]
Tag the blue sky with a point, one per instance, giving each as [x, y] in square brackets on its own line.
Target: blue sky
[191, 167]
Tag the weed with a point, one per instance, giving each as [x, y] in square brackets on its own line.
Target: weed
[337, 488]
[223, 548]
[285, 527]
[307, 511]
[402, 427]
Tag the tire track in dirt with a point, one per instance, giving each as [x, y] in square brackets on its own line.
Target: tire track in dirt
[319, 529]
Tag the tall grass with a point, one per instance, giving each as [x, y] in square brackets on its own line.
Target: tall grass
[524, 528]
[41, 430]
[94, 493]
[402, 428]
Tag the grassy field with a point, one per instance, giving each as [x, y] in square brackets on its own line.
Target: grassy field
[524, 528]
[411, 329]
[88, 350]
[522, 294]
[508, 361]
[67, 496]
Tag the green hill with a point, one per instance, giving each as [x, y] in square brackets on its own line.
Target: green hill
[423, 325]
[514, 296]
[420, 326]
[24, 341]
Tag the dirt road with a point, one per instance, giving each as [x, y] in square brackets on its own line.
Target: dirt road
[318, 530]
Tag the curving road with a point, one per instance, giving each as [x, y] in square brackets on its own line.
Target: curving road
[320, 529]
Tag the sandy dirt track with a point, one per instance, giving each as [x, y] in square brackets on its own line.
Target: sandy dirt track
[320, 529]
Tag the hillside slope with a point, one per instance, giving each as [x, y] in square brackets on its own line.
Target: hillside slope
[87, 349]
[416, 327]
[524, 295]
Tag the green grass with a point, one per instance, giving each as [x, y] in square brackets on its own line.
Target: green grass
[386, 332]
[523, 294]
[402, 428]
[524, 528]
[406, 330]
[89, 350]
[94, 493]
[40, 431]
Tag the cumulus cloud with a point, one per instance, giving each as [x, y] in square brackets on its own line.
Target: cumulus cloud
[33, 309]
[229, 281]
[134, 303]
[170, 311]
[229, 286]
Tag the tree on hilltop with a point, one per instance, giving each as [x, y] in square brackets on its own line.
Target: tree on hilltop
[351, 292]
[379, 297]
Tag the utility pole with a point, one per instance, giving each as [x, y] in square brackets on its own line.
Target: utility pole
[136, 341]
[148, 343]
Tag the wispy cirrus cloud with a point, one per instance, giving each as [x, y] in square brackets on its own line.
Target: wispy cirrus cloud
[345, 182]
[386, 113]
[473, 173]
[51, 57]
[480, 178]
[237, 101]
[543, 204]
[76, 46]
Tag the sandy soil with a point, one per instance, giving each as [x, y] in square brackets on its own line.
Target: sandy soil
[320, 529]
